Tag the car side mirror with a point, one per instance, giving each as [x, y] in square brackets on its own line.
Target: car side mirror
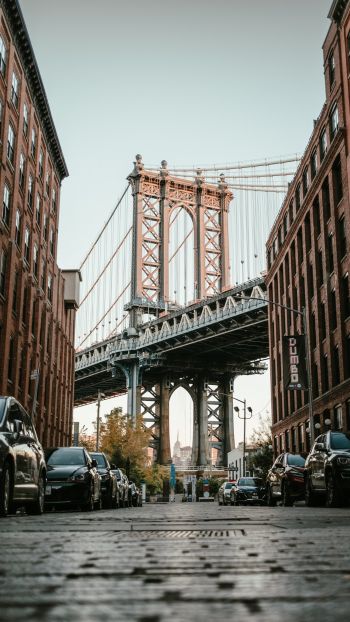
[320, 447]
[93, 463]
[18, 425]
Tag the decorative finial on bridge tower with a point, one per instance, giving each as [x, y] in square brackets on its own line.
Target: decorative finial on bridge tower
[222, 183]
[163, 169]
[199, 178]
[138, 166]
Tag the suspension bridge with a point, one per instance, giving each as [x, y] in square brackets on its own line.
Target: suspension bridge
[173, 295]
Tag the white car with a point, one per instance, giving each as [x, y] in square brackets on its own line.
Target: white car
[224, 493]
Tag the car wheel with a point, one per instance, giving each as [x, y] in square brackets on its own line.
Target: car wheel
[37, 507]
[286, 498]
[89, 505]
[333, 495]
[271, 501]
[310, 496]
[220, 502]
[6, 490]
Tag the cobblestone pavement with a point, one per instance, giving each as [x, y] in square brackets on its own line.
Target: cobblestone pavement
[179, 562]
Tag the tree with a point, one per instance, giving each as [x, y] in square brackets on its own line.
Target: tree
[261, 459]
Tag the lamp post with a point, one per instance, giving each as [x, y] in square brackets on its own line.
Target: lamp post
[302, 314]
[99, 396]
[245, 417]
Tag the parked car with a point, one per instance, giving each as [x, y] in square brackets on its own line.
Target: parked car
[109, 486]
[327, 475]
[72, 478]
[22, 461]
[285, 479]
[123, 486]
[135, 496]
[224, 493]
[248, 491]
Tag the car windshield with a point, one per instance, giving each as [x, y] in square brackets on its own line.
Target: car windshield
[340, 440]
[228, 485]
[65, 457]
[295, 460]
[100, 459]
[2, 408]
[250, 481]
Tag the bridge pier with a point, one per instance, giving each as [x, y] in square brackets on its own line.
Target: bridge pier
[202, 410]
[164, 456]
[227, 417]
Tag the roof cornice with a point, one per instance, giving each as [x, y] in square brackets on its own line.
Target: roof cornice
[25, 50]
[337, 9]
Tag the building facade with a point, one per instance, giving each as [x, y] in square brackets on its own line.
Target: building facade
[37, 300]
[308, 259]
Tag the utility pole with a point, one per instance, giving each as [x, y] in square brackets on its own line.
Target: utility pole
[99, 396]
[245, 417]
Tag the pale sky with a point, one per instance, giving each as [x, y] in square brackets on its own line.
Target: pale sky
[189, 81]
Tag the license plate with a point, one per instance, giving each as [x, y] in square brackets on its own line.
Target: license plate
[254, 494]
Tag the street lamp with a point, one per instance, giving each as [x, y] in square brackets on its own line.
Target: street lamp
[302, 314]
[244, 417]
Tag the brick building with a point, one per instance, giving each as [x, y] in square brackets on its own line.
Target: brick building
[308, 258]
[37, 300]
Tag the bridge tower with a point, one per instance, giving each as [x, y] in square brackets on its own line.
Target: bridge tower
[156, 194]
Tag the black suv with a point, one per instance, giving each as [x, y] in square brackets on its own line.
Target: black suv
[328, 470]
[22, 462]
[109, 486]
[285, 479]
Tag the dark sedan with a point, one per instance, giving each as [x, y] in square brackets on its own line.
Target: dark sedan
[328, 470]
[22, 462]
[247, 491]
[285, 479]
[109, 487]
[72, 478]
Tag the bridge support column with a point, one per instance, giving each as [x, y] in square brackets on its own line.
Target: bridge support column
[134, 391]
[227, 418]
[164, 456]
[202, 409]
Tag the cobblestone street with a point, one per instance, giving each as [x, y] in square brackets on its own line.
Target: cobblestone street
[177, 562]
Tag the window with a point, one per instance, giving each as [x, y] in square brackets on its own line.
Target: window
[14, 90]
[342, 237]
[316, 213]
[22, 165]
[292, 256]
[331, 69]
[323, 320]
[35, 260]
[27, 245]
[336, 368]
[41, 164]
[325, 379]
[47, 184]
[307, 233]
[333, 310]
[52, 242]
[326, 200]
[49, 287]
[25, 305]
[323, 144]
[33, 143]
[43, 274]
[297, 198]
[3, 55]
[313, 164]
[10, 368]
[305, 181]
[338, 417]
[320, 267]
[345, 295]
[310, 278]
[3, 265]
[333, 121]
[1, 115]
[15, 292]
[18, 228]
[11, 144]
[337, 181]
[25, 120]
[30, 192]
[291, 212]
[330, 253]
[313, 331]
[38, 210]
[46, 227]
[6, 205]
[54, 199]
[300, 246]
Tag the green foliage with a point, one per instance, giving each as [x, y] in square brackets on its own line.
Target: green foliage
[261, 459]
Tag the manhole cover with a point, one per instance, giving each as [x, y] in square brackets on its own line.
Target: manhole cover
[197, 534]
